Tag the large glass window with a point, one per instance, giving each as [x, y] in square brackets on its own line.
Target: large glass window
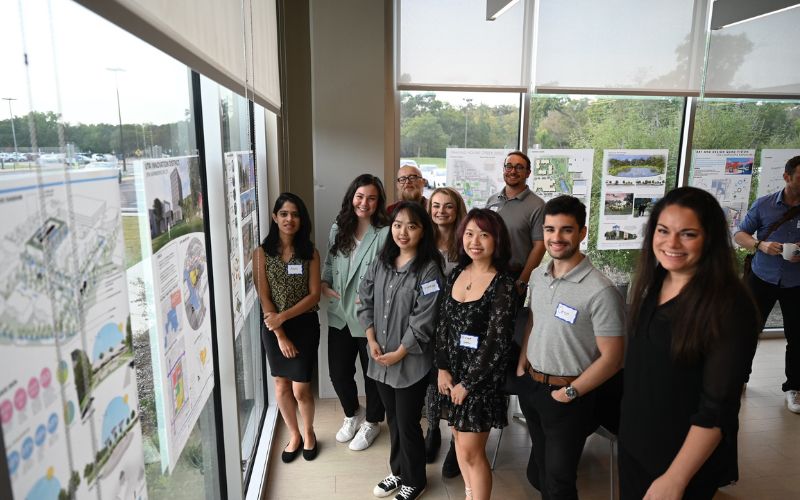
[731, 134]
[635, 138]
[445, 132]
[92, 117]
[243, 230]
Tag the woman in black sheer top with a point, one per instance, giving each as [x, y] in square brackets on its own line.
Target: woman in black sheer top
[693, 334]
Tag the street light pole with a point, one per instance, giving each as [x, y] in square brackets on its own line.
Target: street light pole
[119, 115]
[13, 132]
[466, 122]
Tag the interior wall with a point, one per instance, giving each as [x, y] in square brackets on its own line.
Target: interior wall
[348, 88]
[296, 127]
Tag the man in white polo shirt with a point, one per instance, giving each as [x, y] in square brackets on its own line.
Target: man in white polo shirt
[574, 342]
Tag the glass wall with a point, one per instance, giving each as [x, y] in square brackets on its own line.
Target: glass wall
[88, 130]
[575, 143]
[105, 302]
[740, 148]
[438, 130]
[243, 229]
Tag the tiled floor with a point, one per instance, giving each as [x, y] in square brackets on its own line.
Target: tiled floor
[769, 453]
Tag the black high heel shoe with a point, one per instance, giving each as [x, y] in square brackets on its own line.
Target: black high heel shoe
[288, 456]
[312, 453]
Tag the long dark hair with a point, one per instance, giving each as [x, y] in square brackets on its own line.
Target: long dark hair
[490, 222]
[710, 294]
[303, 248]
[347, 220]
[461, 212]
[426, 249]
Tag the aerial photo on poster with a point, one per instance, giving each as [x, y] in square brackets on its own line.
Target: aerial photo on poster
[65, 343]
[770, 173]
[475, 173]
[633, 181]
[562, 171]
[727, 174]
[178, 270]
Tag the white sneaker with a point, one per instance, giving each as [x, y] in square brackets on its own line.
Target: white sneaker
[350, 425]
[387, 486]
[366, 435]
[792, 402]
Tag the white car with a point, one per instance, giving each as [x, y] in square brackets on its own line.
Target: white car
[429, 173]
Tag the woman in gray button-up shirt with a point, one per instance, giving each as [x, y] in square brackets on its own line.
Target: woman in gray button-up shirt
[399, 303]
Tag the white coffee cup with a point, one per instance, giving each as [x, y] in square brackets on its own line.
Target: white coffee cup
[790, 250]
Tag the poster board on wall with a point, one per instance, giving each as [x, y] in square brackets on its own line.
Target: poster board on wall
[68, 397]
[727, 174]
[555, 172]
[633, 181]
[172, 233]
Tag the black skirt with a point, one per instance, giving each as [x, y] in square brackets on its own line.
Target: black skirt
[303, 331]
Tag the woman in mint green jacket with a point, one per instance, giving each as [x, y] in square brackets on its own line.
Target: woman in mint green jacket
[355, 239]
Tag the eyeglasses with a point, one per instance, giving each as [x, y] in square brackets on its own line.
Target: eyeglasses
[408, 178]
[508, 167]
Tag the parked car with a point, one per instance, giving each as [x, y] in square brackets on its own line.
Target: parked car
[51, 160]
[429, 174]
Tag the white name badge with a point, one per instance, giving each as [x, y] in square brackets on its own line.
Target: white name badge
[294, 268]
[566, 313]
[468, 341]
[430, 287]
[494, 208]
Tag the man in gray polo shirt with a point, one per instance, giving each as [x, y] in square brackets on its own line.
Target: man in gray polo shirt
[521, 210]
[573, 343]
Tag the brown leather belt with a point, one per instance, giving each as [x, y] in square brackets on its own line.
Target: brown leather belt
[544, 378]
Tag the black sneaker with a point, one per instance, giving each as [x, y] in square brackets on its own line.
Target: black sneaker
[433, 440]
[409, 493]
[387, 486]
[450, 468]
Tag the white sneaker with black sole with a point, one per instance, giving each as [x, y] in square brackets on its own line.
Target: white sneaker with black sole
[409, 493]
[793, 401]
[387, 486]
[350, 426]
[365, 437]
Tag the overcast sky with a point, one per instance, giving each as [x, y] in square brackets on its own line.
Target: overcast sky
[153, 88]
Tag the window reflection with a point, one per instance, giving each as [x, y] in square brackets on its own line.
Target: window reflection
[94, 98]
[243, 234]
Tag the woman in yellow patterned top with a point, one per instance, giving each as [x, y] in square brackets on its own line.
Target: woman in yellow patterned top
[287, 274]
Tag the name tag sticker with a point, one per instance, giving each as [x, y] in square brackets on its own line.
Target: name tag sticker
[566, 313]
[468, 341]
[430, 287]
[294, 268]
[494, 208]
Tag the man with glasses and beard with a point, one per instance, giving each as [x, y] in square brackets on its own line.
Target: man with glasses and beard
[521, 210]
[409, 187]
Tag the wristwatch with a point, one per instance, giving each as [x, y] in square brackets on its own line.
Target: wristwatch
[571, 392]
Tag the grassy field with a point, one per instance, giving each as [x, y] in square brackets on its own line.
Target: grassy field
[130, 233]
[191, 226]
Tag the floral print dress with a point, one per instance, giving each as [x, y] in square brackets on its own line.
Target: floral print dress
[481, 369]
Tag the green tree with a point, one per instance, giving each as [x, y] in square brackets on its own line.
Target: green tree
[423, 136]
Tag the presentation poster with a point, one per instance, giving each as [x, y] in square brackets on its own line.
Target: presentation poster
[475, 173]
[242, 231]
[770, 175]
[727, 174]
[181, 338]
[562, 171]
[68, 398]
[633, 181]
